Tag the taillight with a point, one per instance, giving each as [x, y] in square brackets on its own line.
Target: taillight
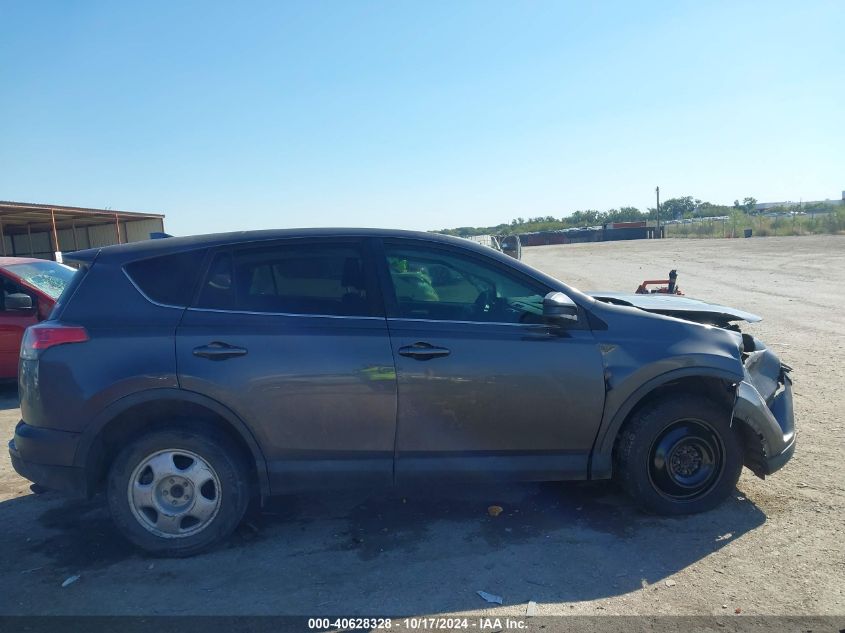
[43, 336]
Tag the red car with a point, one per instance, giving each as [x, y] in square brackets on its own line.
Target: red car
[30, 290]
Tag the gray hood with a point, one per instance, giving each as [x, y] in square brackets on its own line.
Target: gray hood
[678, 306]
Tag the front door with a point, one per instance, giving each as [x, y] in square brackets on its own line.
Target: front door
[487, 389]
[12, 325]
[291, 336]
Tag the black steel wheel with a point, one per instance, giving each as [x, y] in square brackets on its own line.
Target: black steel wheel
[679, 455]
[685, 460]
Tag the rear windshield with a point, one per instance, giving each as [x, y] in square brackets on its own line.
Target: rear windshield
[78, 275]
[168, 279]
[49, 277]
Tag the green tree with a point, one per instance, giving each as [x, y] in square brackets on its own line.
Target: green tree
[589, 217]
[677, 208]
[626, 214]
[748, 204]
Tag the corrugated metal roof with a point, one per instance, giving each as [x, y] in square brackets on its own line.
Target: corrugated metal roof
[11, 206]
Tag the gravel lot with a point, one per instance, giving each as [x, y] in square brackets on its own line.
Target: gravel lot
[776, 547]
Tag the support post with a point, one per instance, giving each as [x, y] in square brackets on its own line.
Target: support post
[117, 227]
[55, 232]
[75, 238]
[657, 191]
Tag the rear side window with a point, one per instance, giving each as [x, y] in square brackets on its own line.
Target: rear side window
[317, 279]
[169, 279]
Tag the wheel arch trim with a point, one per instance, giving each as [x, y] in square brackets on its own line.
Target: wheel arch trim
[94, 430]
[601, 459]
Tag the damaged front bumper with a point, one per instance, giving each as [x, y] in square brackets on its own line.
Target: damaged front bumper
[764, 405]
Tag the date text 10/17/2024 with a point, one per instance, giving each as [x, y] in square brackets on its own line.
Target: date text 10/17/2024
[419, 623]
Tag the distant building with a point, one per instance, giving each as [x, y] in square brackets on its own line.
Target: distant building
[46, 230]
[764, 206]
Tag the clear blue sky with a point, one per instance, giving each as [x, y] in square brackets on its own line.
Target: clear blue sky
[416, 114]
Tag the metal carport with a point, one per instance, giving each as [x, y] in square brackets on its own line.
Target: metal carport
[41, 230]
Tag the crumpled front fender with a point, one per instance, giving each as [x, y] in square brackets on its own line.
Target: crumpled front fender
[770, 419]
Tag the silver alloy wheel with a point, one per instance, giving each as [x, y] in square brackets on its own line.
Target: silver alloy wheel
[174, 493]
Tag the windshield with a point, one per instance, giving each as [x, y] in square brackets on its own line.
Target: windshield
[48, 277]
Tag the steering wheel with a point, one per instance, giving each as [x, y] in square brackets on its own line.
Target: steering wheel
[485, 302]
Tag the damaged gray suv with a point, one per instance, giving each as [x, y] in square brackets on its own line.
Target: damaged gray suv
[187, 376]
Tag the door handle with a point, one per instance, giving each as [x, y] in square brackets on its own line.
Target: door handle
[423, 351]
[218, 351]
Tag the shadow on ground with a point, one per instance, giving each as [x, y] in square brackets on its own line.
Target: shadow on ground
[432, 548]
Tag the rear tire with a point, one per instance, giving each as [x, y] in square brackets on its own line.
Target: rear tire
[178, 491]
[679, 455]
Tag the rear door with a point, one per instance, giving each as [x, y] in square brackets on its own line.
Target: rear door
[291, 336]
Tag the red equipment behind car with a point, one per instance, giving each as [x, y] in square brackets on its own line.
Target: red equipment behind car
[671, 287]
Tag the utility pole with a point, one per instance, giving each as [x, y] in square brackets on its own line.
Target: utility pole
[657, 191]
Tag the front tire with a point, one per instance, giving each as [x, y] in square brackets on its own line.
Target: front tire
[178, 491]
[679, 455]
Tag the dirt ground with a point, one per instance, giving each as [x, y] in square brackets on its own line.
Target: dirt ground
[776, 547]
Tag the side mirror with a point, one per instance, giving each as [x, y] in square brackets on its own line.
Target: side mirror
[18, 301]
[557, 305]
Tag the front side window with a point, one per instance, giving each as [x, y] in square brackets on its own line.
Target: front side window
[10, 287]
[317, 279]
[438, 284]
